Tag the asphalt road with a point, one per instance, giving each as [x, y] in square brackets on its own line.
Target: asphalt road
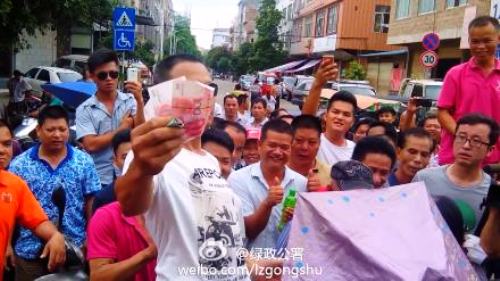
[226, 86]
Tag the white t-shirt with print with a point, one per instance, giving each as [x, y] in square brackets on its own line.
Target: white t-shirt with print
[195, 221]
[330, 153]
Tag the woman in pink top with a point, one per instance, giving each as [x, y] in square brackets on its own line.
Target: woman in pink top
[472, 87]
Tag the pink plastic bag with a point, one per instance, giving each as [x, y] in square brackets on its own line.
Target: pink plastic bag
[394, 233]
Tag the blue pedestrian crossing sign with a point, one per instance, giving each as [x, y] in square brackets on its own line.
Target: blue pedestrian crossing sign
[124, 29]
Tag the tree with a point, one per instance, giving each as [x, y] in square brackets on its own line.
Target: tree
[185, 41]
[70, 13]
[355, 71]
[220, 59]
[241, 64]
[224, 65]
[144, 52]
[29, 16]
[267, 50]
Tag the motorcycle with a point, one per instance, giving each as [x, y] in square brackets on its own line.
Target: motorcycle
[74, 267]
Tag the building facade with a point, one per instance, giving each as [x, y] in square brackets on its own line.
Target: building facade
[347, 29]
[411, 20]
[244, 26]
[286, 24]
[221, 38]
[156, 22]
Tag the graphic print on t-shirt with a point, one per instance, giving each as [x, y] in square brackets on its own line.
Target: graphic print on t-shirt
[217, 218]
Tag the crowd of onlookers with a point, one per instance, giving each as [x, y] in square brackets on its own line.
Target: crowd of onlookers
[142, 202]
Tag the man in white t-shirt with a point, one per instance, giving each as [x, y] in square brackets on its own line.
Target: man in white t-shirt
[193, 217]
[339, 116]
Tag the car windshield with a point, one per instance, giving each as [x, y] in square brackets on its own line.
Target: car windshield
[69, 76]
[432, 91]
[248, 78]
[308, 86]
[358, 90]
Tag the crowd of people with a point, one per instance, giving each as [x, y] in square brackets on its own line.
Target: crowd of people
[144, 203]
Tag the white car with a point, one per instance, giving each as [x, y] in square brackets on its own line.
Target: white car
[40, 75]
[428, 89]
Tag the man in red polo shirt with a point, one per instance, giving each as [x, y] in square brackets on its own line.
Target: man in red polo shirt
[18, 205]
[472, 87]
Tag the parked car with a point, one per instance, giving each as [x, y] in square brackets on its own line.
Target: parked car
[354, 87]
[428, 89]
[246, 81]
[47, 74]
[298, 79]
[73, 62]
[302, 90]
[288, 84]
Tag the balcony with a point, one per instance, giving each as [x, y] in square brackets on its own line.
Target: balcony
[301, 47]
[325, 44]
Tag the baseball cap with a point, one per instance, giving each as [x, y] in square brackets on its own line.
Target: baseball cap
[352, 174]
[253, 134]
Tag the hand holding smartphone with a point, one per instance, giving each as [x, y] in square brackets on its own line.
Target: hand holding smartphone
[132, 74]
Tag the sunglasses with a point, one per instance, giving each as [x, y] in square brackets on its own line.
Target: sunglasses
[103, 75]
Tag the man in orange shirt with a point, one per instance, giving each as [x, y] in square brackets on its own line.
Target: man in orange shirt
[18, 205]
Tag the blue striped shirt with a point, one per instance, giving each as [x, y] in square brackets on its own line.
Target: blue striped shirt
[92, 118]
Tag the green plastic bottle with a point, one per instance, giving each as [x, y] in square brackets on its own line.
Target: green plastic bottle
[290, 201]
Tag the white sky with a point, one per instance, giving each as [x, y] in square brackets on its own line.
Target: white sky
[207, 15]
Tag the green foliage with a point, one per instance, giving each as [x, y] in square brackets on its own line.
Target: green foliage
[219, 59]
[185, 41]
[224, 65]
[241, 64]
[355, 71]
[144, 52]
[267, 51]
[30, 16]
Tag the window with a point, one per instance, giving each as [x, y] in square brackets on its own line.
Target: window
[402, 8]
[455, 3]
[320, 23]
[331, 26]
[69, 76]
[426, 6]
[308, 26]
[297, 30]
[44, 75]
[382, 14]
[32, 72]
[290, 10]
[63, 63]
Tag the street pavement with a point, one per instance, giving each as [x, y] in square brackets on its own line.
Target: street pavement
[226, 86]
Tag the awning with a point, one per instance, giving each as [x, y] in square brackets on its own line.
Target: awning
[285, 66]
[309, 64]
[385, 54]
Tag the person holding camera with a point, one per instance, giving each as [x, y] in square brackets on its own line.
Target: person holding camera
[107, 112]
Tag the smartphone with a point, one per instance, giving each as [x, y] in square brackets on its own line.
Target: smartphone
[424, 102]
[132, 74]
[329, 58]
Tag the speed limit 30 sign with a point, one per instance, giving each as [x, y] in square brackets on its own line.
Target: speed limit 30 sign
[429, 59]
